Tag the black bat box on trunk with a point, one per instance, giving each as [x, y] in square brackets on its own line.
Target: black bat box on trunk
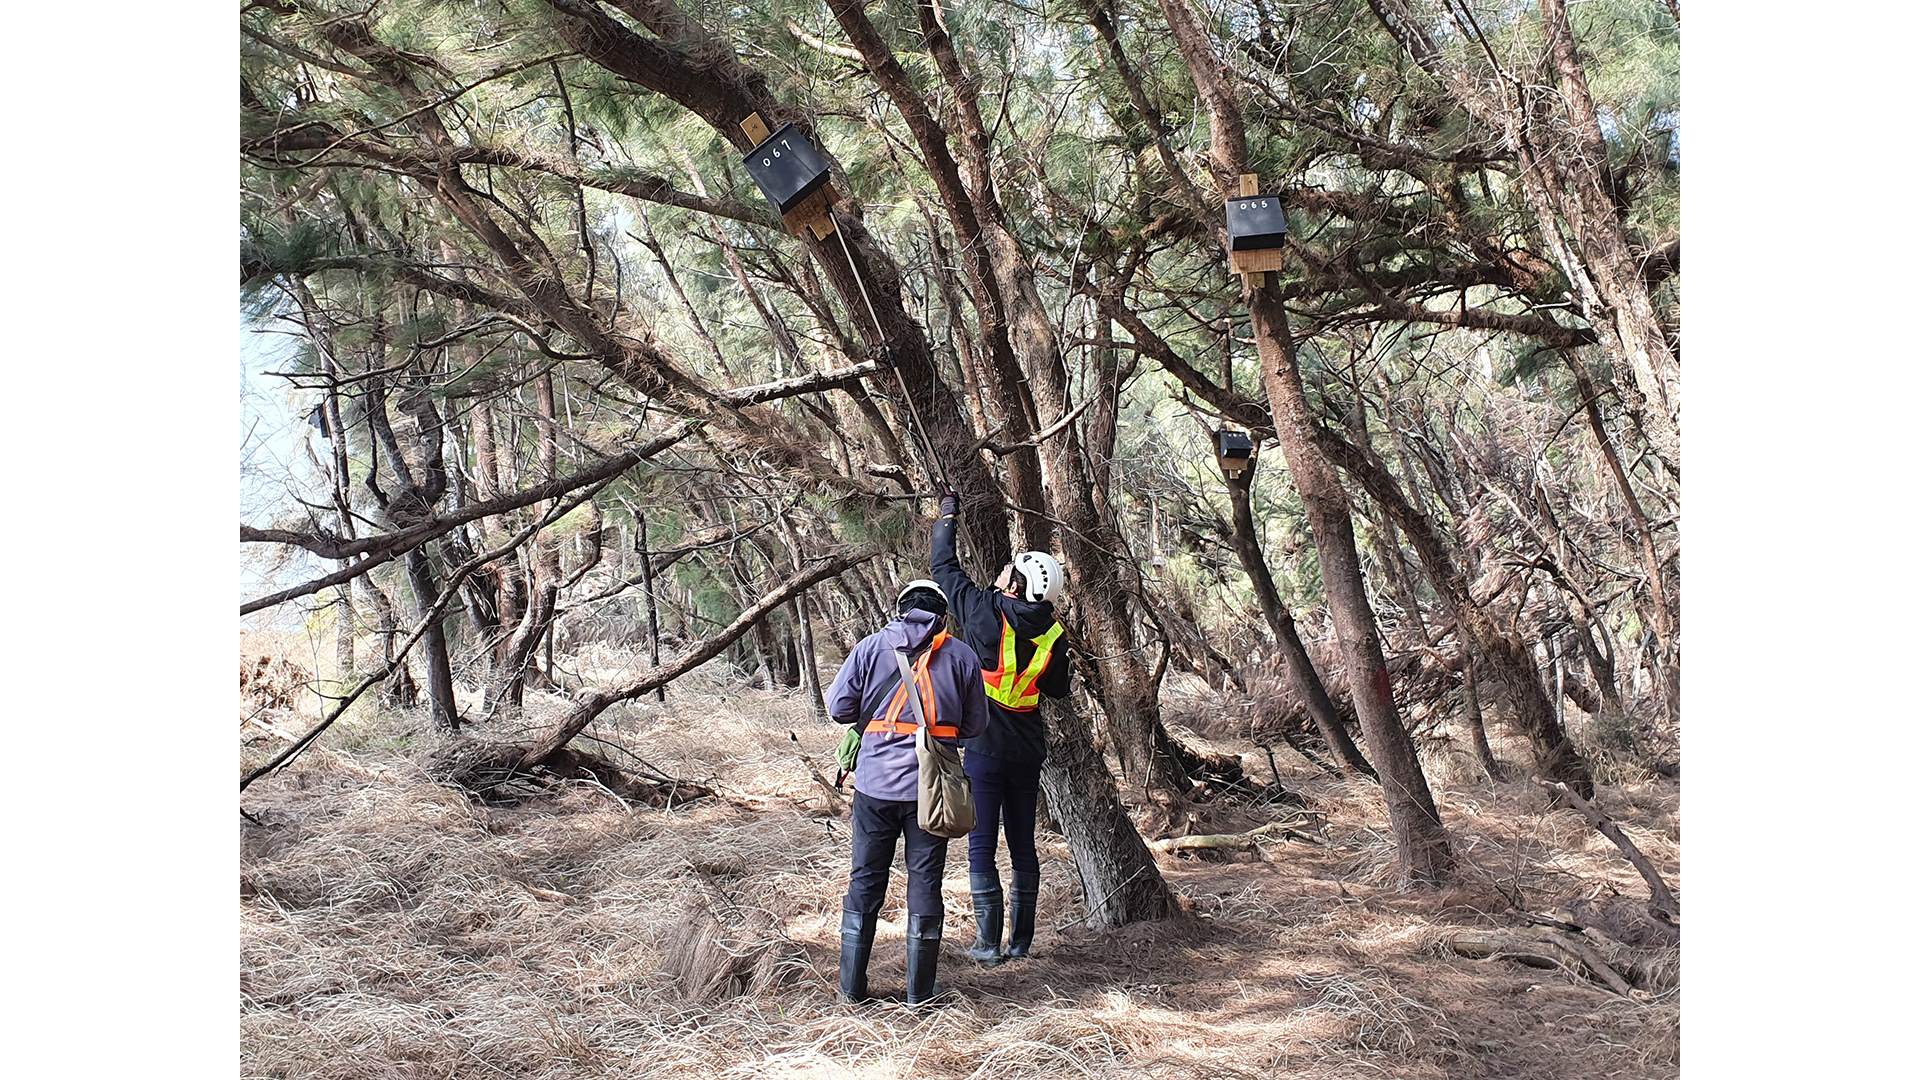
[1256, 224]
[787, 167]
[1234, 451]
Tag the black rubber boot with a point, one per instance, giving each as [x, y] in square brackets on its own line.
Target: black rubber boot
[989, 913]
[923, 958]
[856, 948]
[1021, 900]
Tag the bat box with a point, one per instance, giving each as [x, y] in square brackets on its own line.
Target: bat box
[787, 167]
[1234, 450]
[1256, 224]
[1256, 235]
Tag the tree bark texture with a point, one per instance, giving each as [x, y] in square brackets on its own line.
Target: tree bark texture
[1302, 679]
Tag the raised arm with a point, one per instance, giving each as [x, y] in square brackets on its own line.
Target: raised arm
[963, 596]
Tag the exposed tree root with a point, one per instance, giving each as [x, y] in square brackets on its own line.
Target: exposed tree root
[1543, 947]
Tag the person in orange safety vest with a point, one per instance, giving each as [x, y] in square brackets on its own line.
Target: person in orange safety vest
[868, 692]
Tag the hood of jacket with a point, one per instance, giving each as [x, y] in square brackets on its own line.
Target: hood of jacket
[1029, 618]
[911, 631]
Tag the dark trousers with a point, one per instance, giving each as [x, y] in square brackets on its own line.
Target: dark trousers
[1005, 796]
[877, 824]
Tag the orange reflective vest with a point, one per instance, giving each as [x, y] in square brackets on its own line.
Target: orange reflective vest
[894, 724]
[1019, 691]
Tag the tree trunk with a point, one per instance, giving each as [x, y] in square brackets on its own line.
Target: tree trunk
[1117, 873]
[1602, 237]
[809, 659]
[1420, 841]
[446, 713]
[653, 607]
[1476, 722]
[1665, 619]
[544, 548]
[511, 682]
[1022, 347]
[399, 689]
[1507, 659]
[343, 632]
[1302, 680]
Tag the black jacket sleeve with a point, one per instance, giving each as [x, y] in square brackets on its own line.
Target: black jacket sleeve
[968, 601]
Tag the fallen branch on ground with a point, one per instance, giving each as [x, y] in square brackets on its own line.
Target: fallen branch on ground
[1661, 903]
[489, 771]
[1244, 841]
[835, 801]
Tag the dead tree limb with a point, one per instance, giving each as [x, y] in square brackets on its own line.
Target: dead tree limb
[836, 802]
[595, 702]
[1661, 903]
[387, 546]
[1249, 840]
[439, 608]
[812, 382]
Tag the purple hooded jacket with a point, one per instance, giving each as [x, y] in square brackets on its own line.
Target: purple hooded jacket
[864, 688]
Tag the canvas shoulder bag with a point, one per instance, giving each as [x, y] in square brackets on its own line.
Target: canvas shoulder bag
[946, 796]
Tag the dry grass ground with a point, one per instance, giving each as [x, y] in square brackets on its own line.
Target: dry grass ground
[391, 927]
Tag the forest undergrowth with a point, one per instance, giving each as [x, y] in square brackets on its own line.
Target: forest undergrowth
[394, 926]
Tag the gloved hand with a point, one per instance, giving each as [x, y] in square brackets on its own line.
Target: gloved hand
[949, 502]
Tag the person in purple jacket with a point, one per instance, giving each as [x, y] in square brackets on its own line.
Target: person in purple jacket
[886, 780]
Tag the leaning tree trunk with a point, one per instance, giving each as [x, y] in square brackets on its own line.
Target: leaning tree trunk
[446, 713]
[1022, 349]
[1617, 273]
[1117, 873]
[1504, 656]
[1302, 680]
[1420, 841]
[1666, 647]
[697, 67]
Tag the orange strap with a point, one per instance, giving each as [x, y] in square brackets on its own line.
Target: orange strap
[892, 724]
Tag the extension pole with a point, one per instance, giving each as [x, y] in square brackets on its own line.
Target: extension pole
[886, 347]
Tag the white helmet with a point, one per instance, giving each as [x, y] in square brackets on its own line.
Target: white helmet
[920, 583]
[1042, 573]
